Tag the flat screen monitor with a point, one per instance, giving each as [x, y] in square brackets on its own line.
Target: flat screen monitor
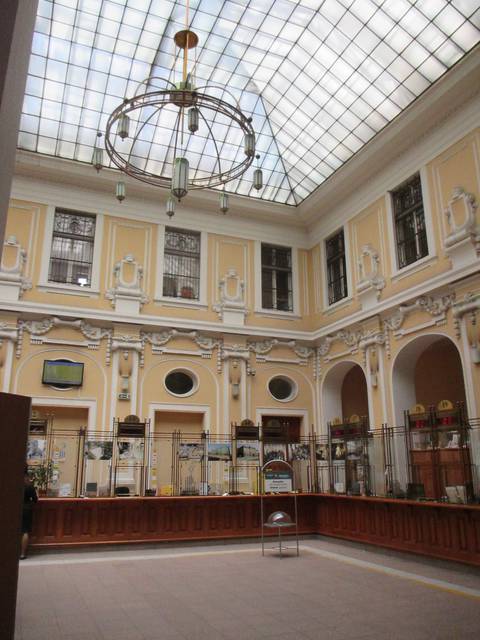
[62, 373]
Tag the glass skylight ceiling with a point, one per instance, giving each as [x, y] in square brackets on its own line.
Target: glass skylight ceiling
[320, 79]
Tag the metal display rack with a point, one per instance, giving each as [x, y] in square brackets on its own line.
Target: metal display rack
[279, 519]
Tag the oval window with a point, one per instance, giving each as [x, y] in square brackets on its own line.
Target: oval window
[180, 383]
[282, 388]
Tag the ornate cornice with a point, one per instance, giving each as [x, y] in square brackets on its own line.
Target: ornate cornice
[468, 306]
[159, 340]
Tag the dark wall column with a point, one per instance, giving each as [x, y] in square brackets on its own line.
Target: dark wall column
[15, 414]
[17, 20]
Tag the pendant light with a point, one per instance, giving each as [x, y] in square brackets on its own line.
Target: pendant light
[193, 119]
[170, 208]
[180, 178]
[224, 202]
[97, 158]
[123, 126]
[257, 177]
[120, 191]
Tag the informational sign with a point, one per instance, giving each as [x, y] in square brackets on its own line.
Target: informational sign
[278, 481]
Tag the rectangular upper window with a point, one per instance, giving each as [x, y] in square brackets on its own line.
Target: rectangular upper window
[336, 268]
[181, 271]
[409, 217]
[71, 256]
[277, 278]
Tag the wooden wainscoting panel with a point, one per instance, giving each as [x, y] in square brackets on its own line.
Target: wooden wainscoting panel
[435, 529]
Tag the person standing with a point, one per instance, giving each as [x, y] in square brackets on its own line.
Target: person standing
[29, 499]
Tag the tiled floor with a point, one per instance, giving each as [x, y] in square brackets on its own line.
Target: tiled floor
[229, 592]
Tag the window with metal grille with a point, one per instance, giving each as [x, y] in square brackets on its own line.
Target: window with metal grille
[181, 270]
[336, 268]
[411, 235]
[277, 278]
[71, 256]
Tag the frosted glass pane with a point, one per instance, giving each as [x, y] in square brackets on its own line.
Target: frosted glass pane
[319, 79]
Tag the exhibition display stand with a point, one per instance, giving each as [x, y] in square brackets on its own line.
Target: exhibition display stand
[277, 477]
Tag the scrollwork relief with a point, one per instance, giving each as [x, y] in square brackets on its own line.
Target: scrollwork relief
[11, 275]
[127, 290]
[368, 268]
[159, 339]
[231, 307]
[460, 213]
[39, 328]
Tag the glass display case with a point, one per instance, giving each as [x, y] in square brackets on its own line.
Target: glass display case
[348, 450]
[439, 453]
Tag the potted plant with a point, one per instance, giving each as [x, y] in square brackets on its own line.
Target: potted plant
[41, 475]
[186, 292]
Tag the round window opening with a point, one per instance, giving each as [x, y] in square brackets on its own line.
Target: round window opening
[282, 388]
[180, 383]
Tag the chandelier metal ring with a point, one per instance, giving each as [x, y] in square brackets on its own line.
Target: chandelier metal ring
[181, 99]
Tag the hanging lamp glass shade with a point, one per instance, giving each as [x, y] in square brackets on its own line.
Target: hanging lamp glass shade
[193, 119]
[257, 179]
[249, 144]
[170, 208]
[180, 178]
[123, 126]
[224, 202]
[120, 191]
[97, 158]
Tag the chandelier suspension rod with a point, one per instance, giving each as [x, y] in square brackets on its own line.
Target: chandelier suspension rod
[185, 49]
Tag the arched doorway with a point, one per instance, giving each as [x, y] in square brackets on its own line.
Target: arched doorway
[345, 392]
[427, 370]
[432, 457]
[343, 451]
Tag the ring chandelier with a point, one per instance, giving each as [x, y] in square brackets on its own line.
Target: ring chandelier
[187, 109]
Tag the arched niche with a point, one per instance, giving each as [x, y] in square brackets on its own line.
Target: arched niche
[428, 369]
[345, 391]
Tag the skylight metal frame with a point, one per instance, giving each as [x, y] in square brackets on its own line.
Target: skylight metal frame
[326, 81]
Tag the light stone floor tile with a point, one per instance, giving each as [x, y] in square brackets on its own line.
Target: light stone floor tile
[229, 592]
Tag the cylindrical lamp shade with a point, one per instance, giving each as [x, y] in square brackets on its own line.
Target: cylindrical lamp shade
[249, 144]
[170, 209]
[120, 191]
[193, 119]
[224, 202]
[180, 178]
[123, 126]
[257, 179]
[97, 158]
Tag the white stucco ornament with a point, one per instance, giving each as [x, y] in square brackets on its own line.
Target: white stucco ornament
[13, 283]
[370, 283]
[127, 295]
[231, 306]
[462, 242]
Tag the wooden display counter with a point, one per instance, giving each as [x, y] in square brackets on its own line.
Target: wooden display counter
[76, 521]
[441, 530]
[445, 531]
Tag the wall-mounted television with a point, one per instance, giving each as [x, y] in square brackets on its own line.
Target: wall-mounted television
[62, 373]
